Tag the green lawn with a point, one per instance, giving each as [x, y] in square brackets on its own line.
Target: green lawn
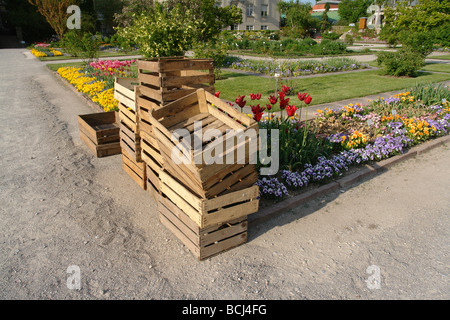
[437, 67]
[443, 57]
[323, 89]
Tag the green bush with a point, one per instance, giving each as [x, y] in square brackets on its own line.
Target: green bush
[404, 62]
[82, 44]
[328, 47]
[330, 35]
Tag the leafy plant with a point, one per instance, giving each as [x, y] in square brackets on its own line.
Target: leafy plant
[404, 62]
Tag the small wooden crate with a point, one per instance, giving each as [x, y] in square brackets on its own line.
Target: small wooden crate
[209, 212]
[125, 92]
[163, 80]
[100, 132]
[136, 170]
[202, 242]
[206, 180]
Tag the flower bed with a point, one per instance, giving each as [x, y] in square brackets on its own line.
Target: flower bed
[299, 68]
[328, 146]
[97, 80]
[41, 50]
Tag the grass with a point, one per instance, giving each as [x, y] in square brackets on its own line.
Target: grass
[324, 89]
[443, 57]
[437, 67]
[101, 55]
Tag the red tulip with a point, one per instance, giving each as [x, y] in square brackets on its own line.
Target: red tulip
[273, 99]
[286, 89]
[217, 94]
[290, 110]
[257, 117]
[257, 109]
[269, 107]
[284, 103]
[301, 96]
[282, 94]
[240, 101]
[255, 96]
[308, 99]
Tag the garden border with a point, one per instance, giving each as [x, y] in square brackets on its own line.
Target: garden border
[366, 171]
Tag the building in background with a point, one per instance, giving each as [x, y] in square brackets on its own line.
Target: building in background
[256, 14]
[319, 8]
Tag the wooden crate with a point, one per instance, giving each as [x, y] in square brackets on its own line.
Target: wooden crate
[163, 80]
[130, 138]
[125, 92]
[209, 212]
[100, 132]
[202, 242]
[206, 180]
[136, 170]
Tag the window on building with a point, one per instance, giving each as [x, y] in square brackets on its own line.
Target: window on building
[249, 28]
[263, 27]
[249, 10]
[264, 10]
[235, 27]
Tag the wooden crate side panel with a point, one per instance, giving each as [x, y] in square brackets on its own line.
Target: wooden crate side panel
[152, 79]
[131, 114]
[130, 133]
[223, 246]
[231, 198]
[87, 129]
[200, 242]
[187, 80]
[234, 212]
[138, 167]
[187, 64]
[133, 153]
[141, 182]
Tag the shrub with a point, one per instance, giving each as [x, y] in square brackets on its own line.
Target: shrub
[405, 62]
[327, 47]
[330, 35]
[85, 45]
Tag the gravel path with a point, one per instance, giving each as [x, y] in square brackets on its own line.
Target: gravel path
[62, 207]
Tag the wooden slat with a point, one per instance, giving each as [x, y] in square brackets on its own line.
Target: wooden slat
[234, 212]
[187, 80]
[187, 64]
[222, 201]
[193, 200]
[230, 110]
[151, 79]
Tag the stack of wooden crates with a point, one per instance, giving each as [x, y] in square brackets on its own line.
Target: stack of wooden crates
[204, 205]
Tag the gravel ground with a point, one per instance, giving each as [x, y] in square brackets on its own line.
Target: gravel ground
[62, 207]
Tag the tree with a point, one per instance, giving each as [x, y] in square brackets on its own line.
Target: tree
[211, 19]
[325, 24]
[55, 13]
[417, 26]
[161, 32]
[352, 10]
[298, 17]
[174, 26]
